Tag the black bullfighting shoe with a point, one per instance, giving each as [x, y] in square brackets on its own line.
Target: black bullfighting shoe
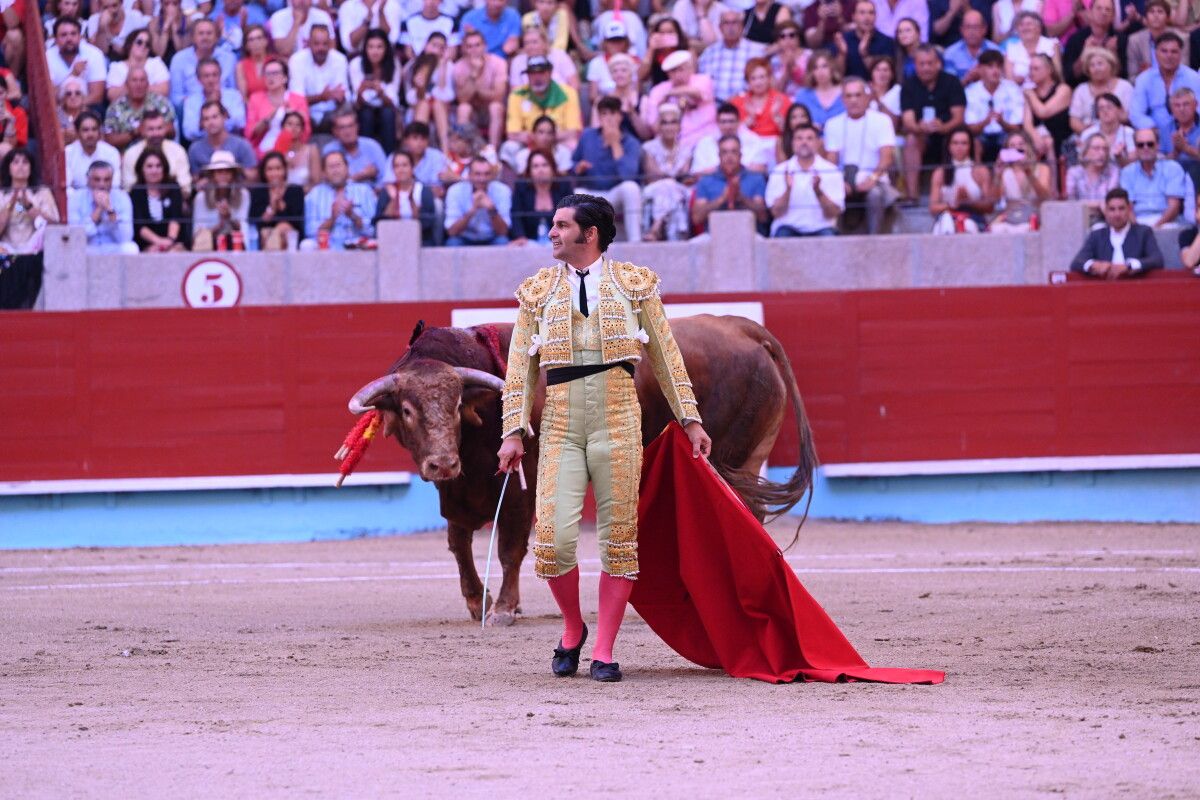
[566, 662]
[606, 672]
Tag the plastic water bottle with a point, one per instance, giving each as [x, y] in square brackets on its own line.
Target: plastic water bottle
[543, 232]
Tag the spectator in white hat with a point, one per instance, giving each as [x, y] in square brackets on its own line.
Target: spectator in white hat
[223, 206]
[616, 40]
[632, 22]
[693, 93]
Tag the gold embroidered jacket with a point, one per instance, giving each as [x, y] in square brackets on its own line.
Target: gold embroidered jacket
[631, 313]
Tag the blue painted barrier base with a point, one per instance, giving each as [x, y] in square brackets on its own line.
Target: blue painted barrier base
[1135, 495]
[145, 519]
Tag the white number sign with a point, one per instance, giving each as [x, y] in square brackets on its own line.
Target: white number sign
[212, 284]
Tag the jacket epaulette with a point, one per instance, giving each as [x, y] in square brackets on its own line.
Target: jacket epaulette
[636, 283]
[536, 290]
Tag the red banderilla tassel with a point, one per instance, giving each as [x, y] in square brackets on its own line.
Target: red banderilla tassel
[355, 444]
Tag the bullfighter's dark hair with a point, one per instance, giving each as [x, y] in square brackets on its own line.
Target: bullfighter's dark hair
[593, 212]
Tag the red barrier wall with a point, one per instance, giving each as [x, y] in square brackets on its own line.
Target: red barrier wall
[1096, 369]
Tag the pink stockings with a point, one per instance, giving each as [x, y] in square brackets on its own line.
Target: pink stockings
[565, 589]
[614, 595]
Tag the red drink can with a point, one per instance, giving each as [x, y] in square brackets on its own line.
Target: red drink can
[222, 243]
[239, 241]
[322, 240]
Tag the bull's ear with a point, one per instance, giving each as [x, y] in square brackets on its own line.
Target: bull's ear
[474, 400]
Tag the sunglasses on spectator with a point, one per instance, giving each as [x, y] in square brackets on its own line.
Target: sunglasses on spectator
[788, 35]
[73, 93]
[1140, 145]
[142, 41]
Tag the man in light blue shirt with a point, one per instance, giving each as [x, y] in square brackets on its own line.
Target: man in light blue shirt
[479, 209]
[429, 162]
[209, 73]
[499, 24]
[184, 80]
[338, 207]
[366, 158]
[1157, 186]
[962, 58]
[104, 213]
[1153, 88]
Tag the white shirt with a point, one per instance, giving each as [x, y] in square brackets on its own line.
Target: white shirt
[60, 70]
[597, 73]
[309, 78]
[1117, 239]
[417, 30]
[1019, 57]
[859, 141]
[280, 25]
[370, 96]
[79, 161]
[804, 211]
[134, 20]
[156, 72]
[591, 285]
[352, 14]
[1007, 99]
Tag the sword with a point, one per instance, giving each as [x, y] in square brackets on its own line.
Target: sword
[487, 570]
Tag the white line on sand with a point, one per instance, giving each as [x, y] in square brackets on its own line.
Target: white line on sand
[794, 558]
[450, 576]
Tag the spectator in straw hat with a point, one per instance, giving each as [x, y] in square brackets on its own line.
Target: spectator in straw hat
[222, 208]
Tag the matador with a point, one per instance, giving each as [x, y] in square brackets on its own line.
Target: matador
[585, 321]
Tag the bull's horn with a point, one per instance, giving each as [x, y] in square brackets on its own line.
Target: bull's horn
[477, 377]
[364, 400]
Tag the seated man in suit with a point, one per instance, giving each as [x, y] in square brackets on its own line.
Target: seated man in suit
[1121, 248]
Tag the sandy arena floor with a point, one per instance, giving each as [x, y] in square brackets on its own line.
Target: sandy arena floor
[349, 669]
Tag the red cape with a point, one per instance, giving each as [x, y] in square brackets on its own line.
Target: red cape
[717, 589]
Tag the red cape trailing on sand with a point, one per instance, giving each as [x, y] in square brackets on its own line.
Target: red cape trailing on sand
[717, 589]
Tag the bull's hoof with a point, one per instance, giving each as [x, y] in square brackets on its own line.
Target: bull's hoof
[475, 606]
[501, 618]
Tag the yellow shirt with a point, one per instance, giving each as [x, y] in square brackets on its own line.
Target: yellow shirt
[558, 31]
[561, 104]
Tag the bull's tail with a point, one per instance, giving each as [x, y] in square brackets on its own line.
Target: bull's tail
[768, 499]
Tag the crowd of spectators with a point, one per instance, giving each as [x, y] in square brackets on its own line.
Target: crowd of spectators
[302, 123]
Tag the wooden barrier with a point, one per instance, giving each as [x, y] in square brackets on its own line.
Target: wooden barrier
[43, 117]
[910, 375]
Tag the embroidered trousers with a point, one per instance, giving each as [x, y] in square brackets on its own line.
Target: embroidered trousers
[591, 431]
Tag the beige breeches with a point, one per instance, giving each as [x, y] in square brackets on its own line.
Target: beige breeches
[591, 431]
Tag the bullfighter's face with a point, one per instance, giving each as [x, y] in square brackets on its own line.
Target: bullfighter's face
[567, 242]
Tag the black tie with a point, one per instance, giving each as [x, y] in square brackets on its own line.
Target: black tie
[583, 309]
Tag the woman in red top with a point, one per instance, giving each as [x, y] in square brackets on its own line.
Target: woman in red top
[266, 110]
[256, 48]
[763, 108]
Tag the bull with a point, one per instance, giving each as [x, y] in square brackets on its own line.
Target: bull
[441, 402]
